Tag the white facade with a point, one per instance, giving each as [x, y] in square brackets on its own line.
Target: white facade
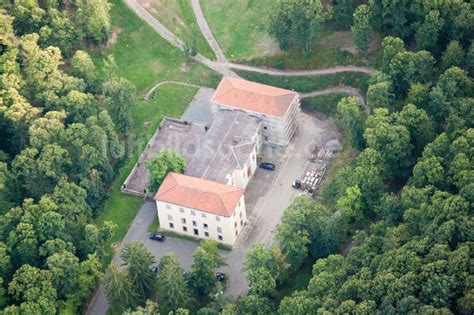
[241, 177]
[201, 224]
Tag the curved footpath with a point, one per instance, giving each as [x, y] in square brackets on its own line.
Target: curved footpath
[303, 73]
[222, 65]
[206, 31]
[151, 92]
[340, 89]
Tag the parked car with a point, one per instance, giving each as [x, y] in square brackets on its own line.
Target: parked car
[267, 166]
[154, 268]
[220, 276]
[157, 237]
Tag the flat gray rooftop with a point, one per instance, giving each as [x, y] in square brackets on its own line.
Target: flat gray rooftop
[198, 110]
[179, 136]
[227, 146]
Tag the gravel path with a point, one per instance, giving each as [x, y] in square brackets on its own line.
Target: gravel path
[151, 92]
[340, 89]
[302, 73]
[222, 65]
[206, 31]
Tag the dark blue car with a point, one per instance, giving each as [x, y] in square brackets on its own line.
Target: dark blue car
[157, 237]
[267, 166]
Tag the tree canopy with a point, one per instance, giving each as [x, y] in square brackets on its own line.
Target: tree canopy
[166, 161]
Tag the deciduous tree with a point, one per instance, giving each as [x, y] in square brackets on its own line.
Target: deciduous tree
[298, 21]
[32, 289]
[166, 161]
[361, 29]
[353, 118]
[94, 17]
[206, 259]
[343, 11]
[83, 67]
[427, 34]
[121, 94]
[453, 55]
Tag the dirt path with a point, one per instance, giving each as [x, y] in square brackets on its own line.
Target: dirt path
[151, 92]
[222, 65]
[302, 73]
[340, 89]
[206, 31]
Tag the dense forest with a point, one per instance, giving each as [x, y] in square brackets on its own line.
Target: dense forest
[406, 201]
[60, 127]
[403, 206]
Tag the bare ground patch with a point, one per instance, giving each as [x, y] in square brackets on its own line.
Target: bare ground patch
[113, 37]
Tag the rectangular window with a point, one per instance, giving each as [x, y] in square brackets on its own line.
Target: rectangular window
[241, 222]
[206, 234]
[168, 206]
[192, 212]
[170, 217]
[183, 220]
[205, 226]
[236, 233]
[171, 225]
[218, 218]
[219, 237]
[181, 210]
[240, 214]
[203, 215]
[194, 223]
[235, 224]
[219, 229]
[196, 232]
[185, 229]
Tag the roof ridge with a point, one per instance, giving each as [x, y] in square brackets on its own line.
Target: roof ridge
[170, 174]
[229, 192]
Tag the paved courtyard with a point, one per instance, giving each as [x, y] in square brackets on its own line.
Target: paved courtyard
[199, 110]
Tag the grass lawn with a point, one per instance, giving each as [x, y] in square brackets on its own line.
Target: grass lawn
[323, 104]
[153, 227]
[308, 84]
[178, 17]
[240, 27]
[121, 208]
[335, 48]
[144, 58]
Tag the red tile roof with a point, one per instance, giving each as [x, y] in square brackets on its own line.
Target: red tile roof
[251, 96]
[200, 194]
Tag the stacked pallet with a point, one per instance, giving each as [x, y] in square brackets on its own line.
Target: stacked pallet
[324, 155]
[314, 154]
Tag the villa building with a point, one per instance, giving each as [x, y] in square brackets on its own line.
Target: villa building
[278, 108]
[221, 140]
[201, 208]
